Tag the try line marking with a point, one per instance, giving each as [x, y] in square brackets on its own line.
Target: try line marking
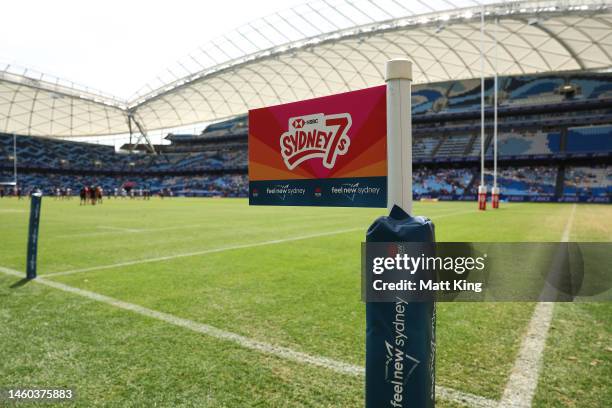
[223, 249]
[251, 344]
[523, 381]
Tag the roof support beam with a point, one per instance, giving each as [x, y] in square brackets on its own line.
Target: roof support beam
[143, 135]
[540, 26]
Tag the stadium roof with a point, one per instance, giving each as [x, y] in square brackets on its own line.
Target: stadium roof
[321, 48]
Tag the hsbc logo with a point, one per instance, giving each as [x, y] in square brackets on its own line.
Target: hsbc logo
[315, 136]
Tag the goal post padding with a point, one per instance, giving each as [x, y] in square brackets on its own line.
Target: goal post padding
[400, 336]
[35, 204]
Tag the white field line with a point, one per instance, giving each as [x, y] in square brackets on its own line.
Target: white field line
[248, 343]
[568, 227]
[523, 381]
[203, 252]
[120, 230]
[222, 249]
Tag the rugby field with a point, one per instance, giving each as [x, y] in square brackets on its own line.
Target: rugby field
[212, 303]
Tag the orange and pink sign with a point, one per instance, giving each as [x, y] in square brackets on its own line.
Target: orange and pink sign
[328, 151]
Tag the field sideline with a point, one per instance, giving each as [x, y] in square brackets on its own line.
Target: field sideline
[286, 278]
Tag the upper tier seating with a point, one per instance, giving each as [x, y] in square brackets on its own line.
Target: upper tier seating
[589, 139]
[533, 90]
[423, 147]
[454, 146]
[592, 86]
[527, 143]
[41, 153]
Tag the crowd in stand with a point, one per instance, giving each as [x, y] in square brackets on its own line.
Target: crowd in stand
[46, 154]
[426, 181]
[63, 186]
[527, 180]
[590, 181]
[435, 182]
[214, 163]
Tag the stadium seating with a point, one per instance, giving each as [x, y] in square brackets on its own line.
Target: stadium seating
[423, 147]
[40, 153]
[527, 143]
[453, 146]
[465, 95]
[236, 126]
[591, 86]
[528, 181]
[589, 139]
[446, 134]
[588, 181]
[227, 185]
[429, 98]
[441, 181]
[529, 90]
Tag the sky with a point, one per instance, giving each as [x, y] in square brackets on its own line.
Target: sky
[117, 46]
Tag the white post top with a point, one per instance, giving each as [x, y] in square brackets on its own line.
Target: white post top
[398, 69]
[399, 134]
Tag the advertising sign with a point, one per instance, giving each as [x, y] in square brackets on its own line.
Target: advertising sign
[328, 151]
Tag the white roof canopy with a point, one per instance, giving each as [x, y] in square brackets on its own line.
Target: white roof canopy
[323, 48]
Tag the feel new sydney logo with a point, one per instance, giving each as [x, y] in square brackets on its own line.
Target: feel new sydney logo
[316, 136]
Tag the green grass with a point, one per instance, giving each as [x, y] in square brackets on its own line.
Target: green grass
[577, 364]
[303, 294]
